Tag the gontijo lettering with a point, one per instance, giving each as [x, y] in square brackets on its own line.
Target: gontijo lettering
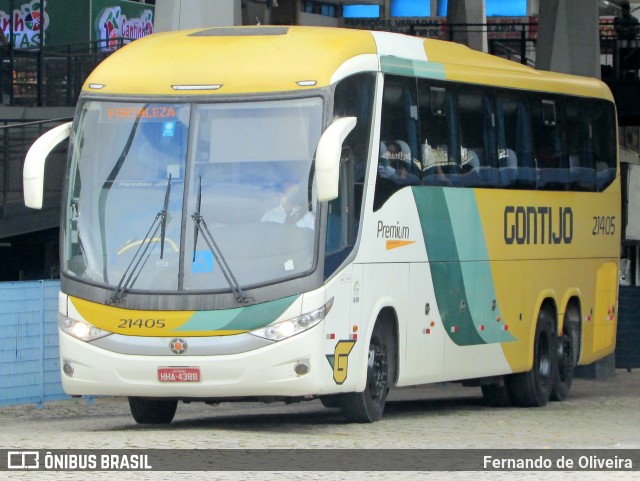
[538, 225]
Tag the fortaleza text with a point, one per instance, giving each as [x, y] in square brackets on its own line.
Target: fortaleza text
[562, 462]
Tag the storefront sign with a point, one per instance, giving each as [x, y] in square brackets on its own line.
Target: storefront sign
[29, 19]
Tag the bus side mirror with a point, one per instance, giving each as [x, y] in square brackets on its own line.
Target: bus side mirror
[328, 157]
[33, 170]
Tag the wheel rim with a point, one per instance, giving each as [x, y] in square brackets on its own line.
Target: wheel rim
[377, 372]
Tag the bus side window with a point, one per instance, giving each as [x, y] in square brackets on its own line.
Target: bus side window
[439, 132]
[478, 152]
[548, 140]
[603, 142]
[398, 165]
[513, 132]
[579, 132]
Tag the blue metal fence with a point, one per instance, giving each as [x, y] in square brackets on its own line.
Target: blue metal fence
[29, 362]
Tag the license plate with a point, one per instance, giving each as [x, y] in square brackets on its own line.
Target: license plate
[179, 374]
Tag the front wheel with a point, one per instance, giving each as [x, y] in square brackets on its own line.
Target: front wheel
[152, 411]
[533, 388]
[367, 406]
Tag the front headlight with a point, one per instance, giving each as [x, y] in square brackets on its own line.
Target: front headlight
[290, 327]
[80, 329]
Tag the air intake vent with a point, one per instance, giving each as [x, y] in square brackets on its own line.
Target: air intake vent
[241, 32]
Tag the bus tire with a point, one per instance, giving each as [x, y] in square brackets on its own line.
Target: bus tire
[533, 388]
[152, 411]
[568, 344]
[367, 406]
[496, 395]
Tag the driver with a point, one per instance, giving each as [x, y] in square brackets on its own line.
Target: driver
[292, 209]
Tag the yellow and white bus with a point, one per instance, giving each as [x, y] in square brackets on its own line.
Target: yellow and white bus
[289, 213]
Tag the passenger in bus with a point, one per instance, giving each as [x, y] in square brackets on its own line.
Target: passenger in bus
[395, 164]
[292, 209]
[436, 160]
[470, 161]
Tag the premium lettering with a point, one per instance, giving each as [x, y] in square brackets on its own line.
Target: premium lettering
[392, 231]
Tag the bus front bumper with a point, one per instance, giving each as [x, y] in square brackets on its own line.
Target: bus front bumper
[273, 370]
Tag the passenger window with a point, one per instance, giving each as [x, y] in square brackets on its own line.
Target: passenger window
[513, 126]
[399, 162]
[478, 151]
[551, 160]
[603, 142]
[579, 134]
[438, 133]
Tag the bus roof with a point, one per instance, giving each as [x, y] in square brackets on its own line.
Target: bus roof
[264, 59]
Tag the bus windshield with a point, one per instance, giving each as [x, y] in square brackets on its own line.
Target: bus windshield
[166, 197]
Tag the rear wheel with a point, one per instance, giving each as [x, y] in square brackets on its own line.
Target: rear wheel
[152, 411]
[367, 406]
[533, 388]
[568, 349]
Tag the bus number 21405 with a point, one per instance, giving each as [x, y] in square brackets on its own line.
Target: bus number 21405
[140, 323]
[604, 225]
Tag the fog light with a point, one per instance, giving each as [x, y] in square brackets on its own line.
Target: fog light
[67, 368]
[302, 367]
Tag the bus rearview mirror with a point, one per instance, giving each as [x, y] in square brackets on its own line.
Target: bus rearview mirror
[33, 170]
[328, 157]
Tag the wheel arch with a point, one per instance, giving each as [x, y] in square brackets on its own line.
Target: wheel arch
[388, 314]
[573, 313]
[572, 299]
[547, 301]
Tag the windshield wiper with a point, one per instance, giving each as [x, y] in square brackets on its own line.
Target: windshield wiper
[106, 187]
[136, 264]
[201, 227]
[163, 214]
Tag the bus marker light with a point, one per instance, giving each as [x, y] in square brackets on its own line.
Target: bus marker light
[354, 337]
[432, 324]
[355, 328]
[97, 86]
[482, 328]
[506, 327]
[307, 83]
[331, 336]
[498, 318]
[427, 331]
[197, 87]
[455, 329]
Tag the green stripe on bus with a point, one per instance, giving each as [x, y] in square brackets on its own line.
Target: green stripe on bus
[475, 266]
[239, 319]
[462, 278]
[414, 68]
